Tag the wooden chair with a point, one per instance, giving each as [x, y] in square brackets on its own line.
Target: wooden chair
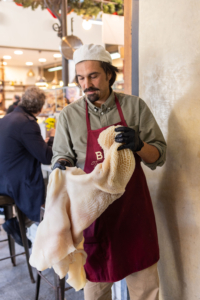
[7, 203]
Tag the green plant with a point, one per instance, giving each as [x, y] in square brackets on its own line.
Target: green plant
[86, 8]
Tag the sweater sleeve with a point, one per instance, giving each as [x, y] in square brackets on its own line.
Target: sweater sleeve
[34, 142]
[62, 145]
[151, 134]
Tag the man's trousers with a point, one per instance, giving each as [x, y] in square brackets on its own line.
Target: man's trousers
[142, 285]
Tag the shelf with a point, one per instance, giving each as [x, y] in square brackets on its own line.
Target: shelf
[15, 91]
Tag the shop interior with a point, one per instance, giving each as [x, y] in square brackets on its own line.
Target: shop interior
[32, 55]
[25, 63]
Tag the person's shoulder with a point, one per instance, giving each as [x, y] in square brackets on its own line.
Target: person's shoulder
[11, 107]
[25, 121]
[125, 98]
[23, 115]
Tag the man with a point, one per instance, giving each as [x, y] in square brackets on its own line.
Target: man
[16, 100]
[22, 150]
[122, 242]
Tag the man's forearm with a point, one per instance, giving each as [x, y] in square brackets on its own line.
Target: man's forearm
[149, 153]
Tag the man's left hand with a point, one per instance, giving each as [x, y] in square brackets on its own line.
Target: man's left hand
[130, 138]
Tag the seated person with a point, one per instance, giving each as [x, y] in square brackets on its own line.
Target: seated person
[22, 150]
[16, 100]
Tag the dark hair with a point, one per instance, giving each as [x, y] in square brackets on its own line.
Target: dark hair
[33, 100]
[17, 98]
[108, 68]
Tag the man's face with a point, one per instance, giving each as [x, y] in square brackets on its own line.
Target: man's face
[93, 80]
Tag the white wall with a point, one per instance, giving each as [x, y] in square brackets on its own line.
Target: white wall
[19, 74]
[22, 27]
[170, 84]
[94, 35]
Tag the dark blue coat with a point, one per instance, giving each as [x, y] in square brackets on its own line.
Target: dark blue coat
[22, 150]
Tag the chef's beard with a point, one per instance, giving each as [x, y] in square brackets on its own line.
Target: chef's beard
[93, 98]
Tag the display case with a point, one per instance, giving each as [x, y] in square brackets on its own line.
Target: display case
[57, 99]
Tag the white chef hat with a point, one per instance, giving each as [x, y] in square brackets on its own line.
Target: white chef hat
[91, 52]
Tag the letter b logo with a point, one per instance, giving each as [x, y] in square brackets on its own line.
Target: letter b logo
[99, 155]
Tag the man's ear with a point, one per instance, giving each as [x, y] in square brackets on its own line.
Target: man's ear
[108, 76]
[76, 80]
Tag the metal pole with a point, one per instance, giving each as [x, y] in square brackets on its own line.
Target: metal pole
[135, 47]
[65, 76]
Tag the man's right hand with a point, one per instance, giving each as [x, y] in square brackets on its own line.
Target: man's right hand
[61, 164]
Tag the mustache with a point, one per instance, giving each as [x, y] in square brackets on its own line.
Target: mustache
[91, 90]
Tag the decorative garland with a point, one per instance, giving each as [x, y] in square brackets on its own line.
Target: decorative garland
[33, 3]
[86, 8]
[89, 8]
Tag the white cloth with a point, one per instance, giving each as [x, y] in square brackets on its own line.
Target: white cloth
[74, 201]
[91, 52]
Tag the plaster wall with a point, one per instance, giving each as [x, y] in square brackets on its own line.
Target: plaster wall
[169, 82]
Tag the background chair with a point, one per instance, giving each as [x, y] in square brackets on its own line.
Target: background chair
[7, 203]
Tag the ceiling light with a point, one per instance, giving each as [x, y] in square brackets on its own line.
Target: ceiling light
[57, 55]
[29, 63]
[55, 81]
[42, 59]
[4, 63]
[6, 57]
[86, 25]
[41, 82]
[18, 52]
[43, 87]
[55, 69]
[115, 55]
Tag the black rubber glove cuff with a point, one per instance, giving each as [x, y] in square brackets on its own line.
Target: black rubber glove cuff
[61, 164]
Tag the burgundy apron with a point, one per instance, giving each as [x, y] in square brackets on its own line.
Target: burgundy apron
[123, 240]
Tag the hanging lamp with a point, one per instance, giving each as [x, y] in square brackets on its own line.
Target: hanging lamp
[55, 81]
[30, 73]
[41, 81]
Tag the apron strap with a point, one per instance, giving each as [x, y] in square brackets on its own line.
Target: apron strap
[87, 116]
[120, 111]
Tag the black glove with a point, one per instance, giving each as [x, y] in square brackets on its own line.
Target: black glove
[130, 138]
[61, 164]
